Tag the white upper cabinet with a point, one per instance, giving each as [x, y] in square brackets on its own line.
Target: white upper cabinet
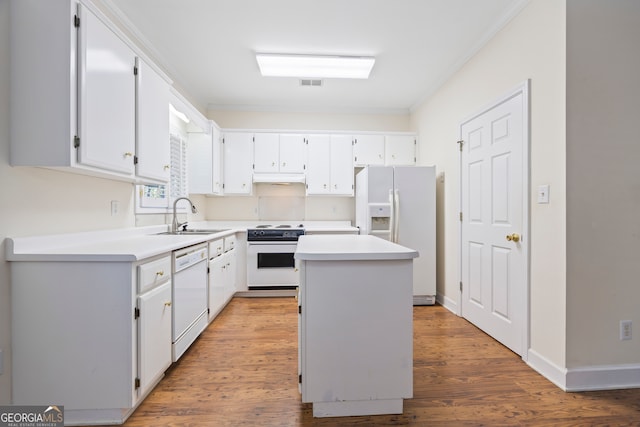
[279, 153]
[266, 154]
[329, 165]
[368, 150]
[107, 97]
[400, 150]
[293, 152]
[205, 162]
[152, 112]
[73, 75]
[238, 163]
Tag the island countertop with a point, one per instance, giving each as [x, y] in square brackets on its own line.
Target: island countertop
[350, 247]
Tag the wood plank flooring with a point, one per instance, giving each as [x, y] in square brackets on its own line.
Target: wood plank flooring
[242, 371]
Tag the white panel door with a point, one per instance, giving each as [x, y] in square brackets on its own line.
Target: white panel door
[107, 97]
[493, 264]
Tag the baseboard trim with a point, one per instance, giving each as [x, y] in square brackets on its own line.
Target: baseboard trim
[603, 377]
[547, 369]
[590, 378]
[447, 303]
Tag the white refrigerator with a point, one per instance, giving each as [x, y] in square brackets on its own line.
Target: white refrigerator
[398, 203]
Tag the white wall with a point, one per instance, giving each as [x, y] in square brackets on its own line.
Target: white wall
[603, 175]
[531, 46]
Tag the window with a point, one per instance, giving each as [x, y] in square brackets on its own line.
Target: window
[155, 198]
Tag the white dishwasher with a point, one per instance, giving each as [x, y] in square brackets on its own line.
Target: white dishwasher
[189, 297]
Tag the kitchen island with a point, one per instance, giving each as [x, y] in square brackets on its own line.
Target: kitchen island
[355, 326]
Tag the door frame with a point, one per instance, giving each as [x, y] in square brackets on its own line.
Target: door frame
[524, 89]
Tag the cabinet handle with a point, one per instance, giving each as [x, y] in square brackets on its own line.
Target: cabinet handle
[379, 156]
[284, 163]
[167, 167]
[335, 186]
[128, 154]
[160, 273]
[325, 185]
[167, 304]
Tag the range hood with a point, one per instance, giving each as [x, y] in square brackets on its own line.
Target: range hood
[279, 178]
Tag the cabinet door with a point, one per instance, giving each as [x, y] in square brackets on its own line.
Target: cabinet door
[368, 150]
[217, 283]
[318, 164]
[230, 274]
[400, 150]
[266, 152]
[238, 161]
[107, 97]
[216, 167]
[341, 165]
[201, 161]
[154, 335]
[152, 125]
[292, 153]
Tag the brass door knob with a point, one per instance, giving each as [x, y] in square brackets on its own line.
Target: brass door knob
[515, 237]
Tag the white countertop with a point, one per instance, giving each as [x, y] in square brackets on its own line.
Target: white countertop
[127, 245]
[350, 247]
[132, 244]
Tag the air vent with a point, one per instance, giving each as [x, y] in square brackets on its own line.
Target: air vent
[310, 82]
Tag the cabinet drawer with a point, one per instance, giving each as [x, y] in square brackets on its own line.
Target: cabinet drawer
[153, 273]
[216, 248]
[229, 243]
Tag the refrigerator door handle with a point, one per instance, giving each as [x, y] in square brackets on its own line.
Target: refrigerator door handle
[392, 216]
[396, 223]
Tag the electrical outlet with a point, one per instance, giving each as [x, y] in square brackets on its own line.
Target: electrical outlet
[625, 330]
[114, 207]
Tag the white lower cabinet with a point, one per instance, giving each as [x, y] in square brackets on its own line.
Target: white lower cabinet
[154, 335]
[222, 274]
[94, 336]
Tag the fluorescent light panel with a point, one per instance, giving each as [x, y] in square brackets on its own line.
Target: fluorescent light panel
[311, 66]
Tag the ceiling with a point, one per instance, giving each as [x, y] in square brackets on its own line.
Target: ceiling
[208, 47]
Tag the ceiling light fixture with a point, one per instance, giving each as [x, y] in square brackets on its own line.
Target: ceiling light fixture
[313, 66]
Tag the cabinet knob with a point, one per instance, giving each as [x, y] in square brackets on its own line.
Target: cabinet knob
[128, 154]
[160, 273]
[167, 167]
[335, 186]
[284, 163]
[324, 185]
[167, 304]
[273, 163]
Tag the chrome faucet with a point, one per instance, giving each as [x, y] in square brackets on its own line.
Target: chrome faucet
[175, 224]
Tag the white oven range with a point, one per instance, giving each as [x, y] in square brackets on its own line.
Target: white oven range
[270, 257]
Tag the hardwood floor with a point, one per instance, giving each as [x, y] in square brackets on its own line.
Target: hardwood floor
[242, 371]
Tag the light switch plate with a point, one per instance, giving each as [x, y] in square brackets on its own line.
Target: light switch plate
[543, 193]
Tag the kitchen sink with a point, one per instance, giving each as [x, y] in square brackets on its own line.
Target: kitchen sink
[192, 231]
